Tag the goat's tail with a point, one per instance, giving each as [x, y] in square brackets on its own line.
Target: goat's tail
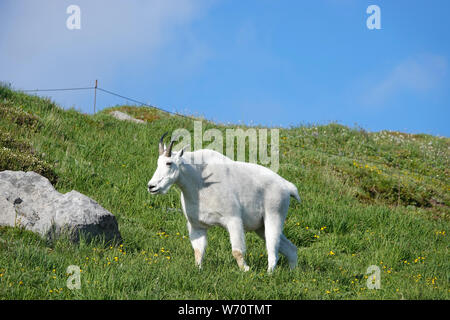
[293, 192]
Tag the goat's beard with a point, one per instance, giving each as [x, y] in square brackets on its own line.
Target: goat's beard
[164, 189]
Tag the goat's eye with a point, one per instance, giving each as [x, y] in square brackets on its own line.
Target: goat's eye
[168, 164]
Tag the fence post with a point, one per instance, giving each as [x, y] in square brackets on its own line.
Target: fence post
[95, 94]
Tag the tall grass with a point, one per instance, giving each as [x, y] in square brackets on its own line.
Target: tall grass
[367, 199]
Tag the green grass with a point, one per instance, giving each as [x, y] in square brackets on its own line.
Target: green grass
[367, 199]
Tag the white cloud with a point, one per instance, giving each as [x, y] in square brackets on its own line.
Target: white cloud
[420, 74]
[36, 48]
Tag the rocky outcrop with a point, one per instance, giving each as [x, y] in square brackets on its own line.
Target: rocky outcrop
[123, 116]
[29, 200]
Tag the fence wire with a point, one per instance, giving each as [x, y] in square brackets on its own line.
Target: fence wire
[111, 93]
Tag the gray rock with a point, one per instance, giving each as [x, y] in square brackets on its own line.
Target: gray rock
[7, 213]
[29, 200]
[123, 116]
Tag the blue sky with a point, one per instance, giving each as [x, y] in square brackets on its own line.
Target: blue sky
[258, 62]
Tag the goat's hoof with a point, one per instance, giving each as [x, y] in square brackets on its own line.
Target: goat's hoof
[292, 266]
[244, 268]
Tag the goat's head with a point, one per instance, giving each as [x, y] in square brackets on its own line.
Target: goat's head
[168, 168]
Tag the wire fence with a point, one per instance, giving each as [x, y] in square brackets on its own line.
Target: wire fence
[347, 157]
[143, 103]
[60, 89]
[96, 87]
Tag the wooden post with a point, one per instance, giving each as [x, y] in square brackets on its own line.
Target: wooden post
[95, 94]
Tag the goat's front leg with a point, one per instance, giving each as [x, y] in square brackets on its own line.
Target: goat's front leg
[198, 242]
[237, 239]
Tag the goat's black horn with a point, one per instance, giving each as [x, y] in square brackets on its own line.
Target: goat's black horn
[161, 143]
[169, 149]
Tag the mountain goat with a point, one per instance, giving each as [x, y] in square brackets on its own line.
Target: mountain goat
[238, 196]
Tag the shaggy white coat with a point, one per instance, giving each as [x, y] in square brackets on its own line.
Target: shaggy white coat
[238, 196]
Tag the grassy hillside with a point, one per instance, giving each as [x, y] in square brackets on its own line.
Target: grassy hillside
[367, 199]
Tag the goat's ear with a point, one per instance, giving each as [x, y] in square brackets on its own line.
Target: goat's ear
[181, 152]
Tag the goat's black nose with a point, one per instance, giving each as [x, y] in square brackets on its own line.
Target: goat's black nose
[151, 186]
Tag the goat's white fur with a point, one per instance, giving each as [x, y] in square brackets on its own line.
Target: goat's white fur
[238, 196]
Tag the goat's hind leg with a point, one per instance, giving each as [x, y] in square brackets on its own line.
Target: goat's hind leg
[286, 247]
[273, 226]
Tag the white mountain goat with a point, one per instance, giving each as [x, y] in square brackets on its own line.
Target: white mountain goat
[238, 196]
